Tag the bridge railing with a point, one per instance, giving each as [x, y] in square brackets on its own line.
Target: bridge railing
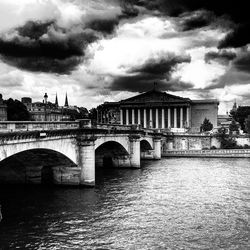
[126, 127]
[14, 126]
[117, 126]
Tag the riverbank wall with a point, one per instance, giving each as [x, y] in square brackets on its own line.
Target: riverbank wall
[198, 142]
[217, 153]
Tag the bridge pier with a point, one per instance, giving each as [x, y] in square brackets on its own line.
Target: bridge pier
[157, 148]
[66, 176]
[135, 153]
[86, 161]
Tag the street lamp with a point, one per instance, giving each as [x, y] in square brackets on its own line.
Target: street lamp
[45, 101]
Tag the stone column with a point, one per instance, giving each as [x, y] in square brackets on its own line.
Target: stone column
[145, 119]
[150, 118]
[133, 116]
[156, 118]
[97, 116]
[188, 123]
[139, 116]
[169, 118]
[127, 117]
[86, 160]
[135, 152]
[181, 118]
[157, 148]
[162, 118]
[105, 117]
[121, 116]
[175, 118]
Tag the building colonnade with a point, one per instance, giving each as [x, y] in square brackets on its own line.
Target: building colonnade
[159, 118]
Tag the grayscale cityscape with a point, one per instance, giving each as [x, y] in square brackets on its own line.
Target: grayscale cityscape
[124, 124]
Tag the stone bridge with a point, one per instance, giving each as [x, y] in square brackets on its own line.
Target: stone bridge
[81, 151]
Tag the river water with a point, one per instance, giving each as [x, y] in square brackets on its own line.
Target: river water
[168, 204]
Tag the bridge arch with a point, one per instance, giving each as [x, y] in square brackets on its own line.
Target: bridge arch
[146, 147]
[66, 147]
[35, 166]
[122, 140]
[111, 154]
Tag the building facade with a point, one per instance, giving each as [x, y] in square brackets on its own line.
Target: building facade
[3, 109]
[160, 110]
[46, 111]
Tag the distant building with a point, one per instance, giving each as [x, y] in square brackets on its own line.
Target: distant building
[3, 109]
[160, 110]
[224, 121]
[45, 111]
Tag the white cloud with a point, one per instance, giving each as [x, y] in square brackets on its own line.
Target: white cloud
[146, 27]
[16, 13]
[198, 71]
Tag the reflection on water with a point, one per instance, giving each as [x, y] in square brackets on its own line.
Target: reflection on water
[168, 204]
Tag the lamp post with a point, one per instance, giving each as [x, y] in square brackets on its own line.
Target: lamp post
[45, 110]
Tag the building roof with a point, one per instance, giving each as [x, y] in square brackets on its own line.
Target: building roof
[155, 96]
[158, 97]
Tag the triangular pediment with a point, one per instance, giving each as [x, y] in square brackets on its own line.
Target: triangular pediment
[154, 96]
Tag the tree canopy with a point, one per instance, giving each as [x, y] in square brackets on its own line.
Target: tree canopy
[233, 127]
[206, 125]
[240, 115]
[80, 113]
[225, 139]
[16, 111]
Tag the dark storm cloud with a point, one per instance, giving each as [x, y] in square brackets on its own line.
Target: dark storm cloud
[161, 67]
[238, 37]
[237, 11]
[222, 56]
[128, 9]
[242, 62]
[143, 82]
[45, 47]
[196, 20]
[153, 70]
[104, 26]
[43, 64]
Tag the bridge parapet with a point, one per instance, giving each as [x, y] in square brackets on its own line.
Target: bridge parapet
[15, 126]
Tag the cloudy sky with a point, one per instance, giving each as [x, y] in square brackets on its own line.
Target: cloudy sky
[108, 50]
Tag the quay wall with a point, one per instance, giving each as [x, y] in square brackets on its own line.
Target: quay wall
[197, 142]
[220, 153]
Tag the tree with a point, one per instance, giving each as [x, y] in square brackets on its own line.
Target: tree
[206, 125]
[225, 139]
[93, 115]
[233, 127]
[79, 113]
[247, 125]
[240, 115]
[16, 111]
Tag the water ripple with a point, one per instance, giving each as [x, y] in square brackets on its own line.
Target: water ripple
[169, 204]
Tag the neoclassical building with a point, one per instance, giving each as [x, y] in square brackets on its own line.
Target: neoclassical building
[159, 110]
